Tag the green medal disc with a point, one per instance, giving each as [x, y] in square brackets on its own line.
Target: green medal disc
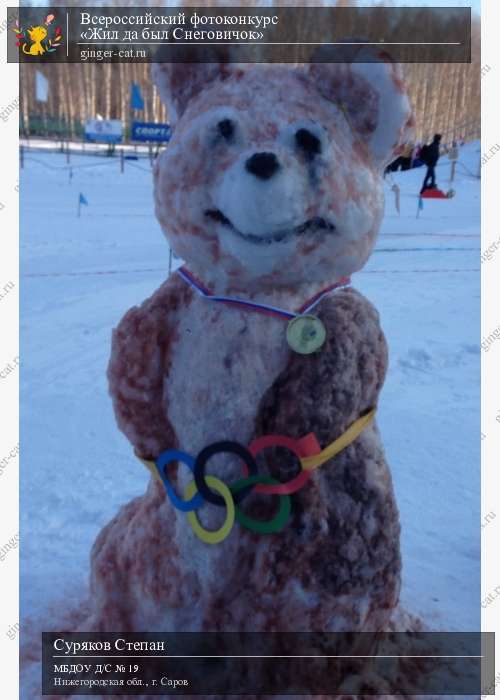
[305, 334]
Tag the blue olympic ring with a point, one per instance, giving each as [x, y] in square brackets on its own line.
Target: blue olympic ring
[176, 456]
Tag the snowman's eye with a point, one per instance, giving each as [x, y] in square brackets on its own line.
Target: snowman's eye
[308, 143]
[226, 129]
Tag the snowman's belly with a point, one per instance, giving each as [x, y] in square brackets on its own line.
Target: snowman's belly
[222, 363]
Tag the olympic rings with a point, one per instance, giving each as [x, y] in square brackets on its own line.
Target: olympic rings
[204, 456]
[161, 463]
[212, 536]
[262, 527]
[305, 447]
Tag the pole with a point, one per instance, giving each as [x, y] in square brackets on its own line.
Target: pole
[395, 189]
[21, 154]
[419, 206]
[122, 160]
[453, 166]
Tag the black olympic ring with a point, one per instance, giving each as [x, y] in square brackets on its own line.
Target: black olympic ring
[210, 451]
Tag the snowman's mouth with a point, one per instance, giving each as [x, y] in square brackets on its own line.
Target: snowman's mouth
[313, 225]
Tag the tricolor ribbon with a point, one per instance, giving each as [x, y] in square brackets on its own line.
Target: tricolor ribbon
[188, 277]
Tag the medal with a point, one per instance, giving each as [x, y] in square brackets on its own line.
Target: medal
[305, 334]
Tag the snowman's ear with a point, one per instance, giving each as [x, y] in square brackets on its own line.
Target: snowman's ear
[372, 93]
[178, 83]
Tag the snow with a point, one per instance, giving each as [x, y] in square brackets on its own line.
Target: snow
[79, 275]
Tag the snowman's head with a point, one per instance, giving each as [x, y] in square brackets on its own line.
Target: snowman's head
[273, 176]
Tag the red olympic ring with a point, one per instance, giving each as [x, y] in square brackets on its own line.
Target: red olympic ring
[307, 446]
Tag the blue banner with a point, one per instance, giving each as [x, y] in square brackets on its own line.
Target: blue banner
[151, 131]
[136, 101]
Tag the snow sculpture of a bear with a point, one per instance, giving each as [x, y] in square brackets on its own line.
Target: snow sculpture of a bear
[270, 191]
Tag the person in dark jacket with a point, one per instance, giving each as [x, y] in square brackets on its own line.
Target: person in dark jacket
[430, 156]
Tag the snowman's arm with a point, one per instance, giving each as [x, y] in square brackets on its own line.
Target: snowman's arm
[344, 521]
[327, 391]
[139, 364]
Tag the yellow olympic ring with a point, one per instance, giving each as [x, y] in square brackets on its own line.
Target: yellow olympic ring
[212, 536]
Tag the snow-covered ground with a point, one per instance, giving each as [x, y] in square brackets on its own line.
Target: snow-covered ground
[79, 275]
